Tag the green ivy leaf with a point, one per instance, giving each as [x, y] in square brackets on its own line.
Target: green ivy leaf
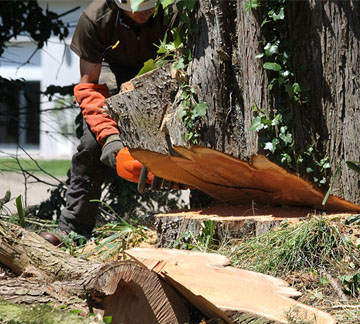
[166, 3]
[149, 65]
[287, 138]
[271, 49]
[200, 109]
[277, 16]
[251, 4]
[260, 55]
[272, 66]
[276, 120]
[285, 158]
[271, 146]
[182, 113]
[256, 124]
[179, 64]
[296, 88]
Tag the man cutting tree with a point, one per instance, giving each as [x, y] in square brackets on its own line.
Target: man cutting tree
[112, 42]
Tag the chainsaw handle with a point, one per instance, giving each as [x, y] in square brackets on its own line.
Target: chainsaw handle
[142, 180]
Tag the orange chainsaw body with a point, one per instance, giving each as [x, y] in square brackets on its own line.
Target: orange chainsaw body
[128, 168]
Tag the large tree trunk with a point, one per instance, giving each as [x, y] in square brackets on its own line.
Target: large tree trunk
[326, 40]
[230, 80]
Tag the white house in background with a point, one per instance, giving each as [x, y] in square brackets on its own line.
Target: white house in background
[55, 64]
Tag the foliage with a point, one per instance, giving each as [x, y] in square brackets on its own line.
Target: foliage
[201, 242]
[351, 283]
[45, 314]
[28, 18]
[20, 210]
[113, 239]
[315, 243]
[175, 52]
[276, 128]
[191, 113]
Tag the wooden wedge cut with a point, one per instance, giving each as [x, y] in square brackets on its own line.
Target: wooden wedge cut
[214, 287]
[232, 180]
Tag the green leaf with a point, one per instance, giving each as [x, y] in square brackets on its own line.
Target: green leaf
[260, 55]
[166, 3]
[276, 120]
[272, 66]
[353, 219]
[179, 64]
[331, 184]
[201, 108]
[107, 319]
[176, 32]
[256, 124]
[251, 4]
[296, 88]
[271, 49]
[75, 311]
[285, 158]
[182, 113]
[149, 65]
[354, 165]
[20, 210]
[287, 138]
[271, 146]
[277, 16]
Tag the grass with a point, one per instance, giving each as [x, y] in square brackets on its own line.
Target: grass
[316, 243]
[57, 168]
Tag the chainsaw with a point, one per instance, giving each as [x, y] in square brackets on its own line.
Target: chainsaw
[132, 170]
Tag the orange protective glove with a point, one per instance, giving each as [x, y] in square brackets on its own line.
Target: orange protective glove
[91, 98]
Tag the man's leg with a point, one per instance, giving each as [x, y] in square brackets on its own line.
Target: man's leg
[88, 173]
[87, 176]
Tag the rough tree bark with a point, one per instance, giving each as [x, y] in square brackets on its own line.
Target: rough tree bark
[326, 40]
[230, 80]
[125, 290]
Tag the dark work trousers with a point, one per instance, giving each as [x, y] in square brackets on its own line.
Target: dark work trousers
[88, 173]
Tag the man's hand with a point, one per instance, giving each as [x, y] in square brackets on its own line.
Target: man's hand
[110, 149]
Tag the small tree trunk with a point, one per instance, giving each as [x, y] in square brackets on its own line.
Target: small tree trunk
[126, 290]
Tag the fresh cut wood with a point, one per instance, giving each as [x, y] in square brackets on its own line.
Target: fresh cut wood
[210, 283]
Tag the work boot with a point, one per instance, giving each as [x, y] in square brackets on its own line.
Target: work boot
[61, 238]
[55, 238]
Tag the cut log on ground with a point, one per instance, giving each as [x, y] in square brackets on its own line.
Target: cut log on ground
[125, 290]
[214, 287]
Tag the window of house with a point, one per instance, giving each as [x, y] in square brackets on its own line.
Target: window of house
[20, 116]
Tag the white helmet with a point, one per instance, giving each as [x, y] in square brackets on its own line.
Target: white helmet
[126, 5]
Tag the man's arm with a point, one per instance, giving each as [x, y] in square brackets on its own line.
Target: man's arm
[89, 72]
[91, 97]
